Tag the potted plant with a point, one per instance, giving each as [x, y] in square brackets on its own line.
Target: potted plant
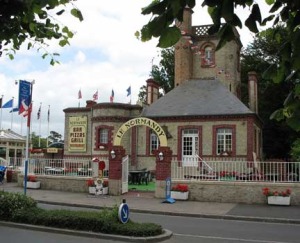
[180, 192]
[97, 186]
[278, 197]
[105, 187]
[92, 186]
[32, 182]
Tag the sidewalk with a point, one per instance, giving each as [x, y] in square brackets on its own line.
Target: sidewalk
[145, 202]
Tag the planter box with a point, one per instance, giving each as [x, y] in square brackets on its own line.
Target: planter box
[179, 195]
[33, 185]
[98, 191]
[278, 200]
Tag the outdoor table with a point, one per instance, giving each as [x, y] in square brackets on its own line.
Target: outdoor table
[136, 176]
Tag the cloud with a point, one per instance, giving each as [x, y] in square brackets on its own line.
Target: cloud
[104, 55]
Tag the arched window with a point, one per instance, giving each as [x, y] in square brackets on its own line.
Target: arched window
[207, 55]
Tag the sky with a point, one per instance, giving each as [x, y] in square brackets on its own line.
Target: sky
[103, 55]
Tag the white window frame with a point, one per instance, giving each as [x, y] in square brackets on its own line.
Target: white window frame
[103, 136]
[224, 140]
[154, 141]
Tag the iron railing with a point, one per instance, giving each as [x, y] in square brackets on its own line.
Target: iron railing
[228, 170]
[62, 167]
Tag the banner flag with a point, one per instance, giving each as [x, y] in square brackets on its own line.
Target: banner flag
[24, 97]
[8, 104]
[79, 94]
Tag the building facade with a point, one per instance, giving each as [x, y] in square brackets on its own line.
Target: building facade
[202, 116]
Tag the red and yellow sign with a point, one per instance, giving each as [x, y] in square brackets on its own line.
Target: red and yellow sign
[77, 133]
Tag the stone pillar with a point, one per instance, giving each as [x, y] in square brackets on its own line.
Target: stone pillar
[163, 170]
[115, 170]
[252, 90]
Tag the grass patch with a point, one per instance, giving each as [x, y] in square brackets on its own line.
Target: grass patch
[143, 187]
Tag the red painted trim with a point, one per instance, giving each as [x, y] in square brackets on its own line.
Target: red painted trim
[97, 137]
[133, 145]
[250, 131]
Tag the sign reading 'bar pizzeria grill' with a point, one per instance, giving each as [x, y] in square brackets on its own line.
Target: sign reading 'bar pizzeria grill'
[77, 133]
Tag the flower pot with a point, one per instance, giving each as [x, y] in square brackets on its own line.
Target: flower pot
[179, 195]
[33, 185]
[98, 190]
[279, 200]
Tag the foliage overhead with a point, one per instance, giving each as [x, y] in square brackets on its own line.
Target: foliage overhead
[32, 22]
[259, 55]
[286, 12]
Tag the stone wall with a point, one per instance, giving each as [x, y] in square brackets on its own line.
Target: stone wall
[60, 183]
[232, 192]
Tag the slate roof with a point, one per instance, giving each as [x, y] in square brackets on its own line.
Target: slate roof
[197, 98]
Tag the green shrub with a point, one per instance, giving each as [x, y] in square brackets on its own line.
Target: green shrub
[105, 221]
[12, 202]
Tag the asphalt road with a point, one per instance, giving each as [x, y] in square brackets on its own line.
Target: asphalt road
[185, 229]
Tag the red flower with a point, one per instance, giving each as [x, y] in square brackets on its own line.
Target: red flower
[180, 188]
[267, 192]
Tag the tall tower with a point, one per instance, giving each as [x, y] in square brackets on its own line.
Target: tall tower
[183, 54]
[196, 56]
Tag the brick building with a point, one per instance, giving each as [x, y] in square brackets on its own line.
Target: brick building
[202, 115]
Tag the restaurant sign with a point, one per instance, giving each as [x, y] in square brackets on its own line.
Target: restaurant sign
[77, 133]
[141, 121]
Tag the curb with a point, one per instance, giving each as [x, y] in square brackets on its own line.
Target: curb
[211, 216]
[167, 234]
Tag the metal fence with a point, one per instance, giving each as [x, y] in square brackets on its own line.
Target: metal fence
[62, 167]
[227, 170]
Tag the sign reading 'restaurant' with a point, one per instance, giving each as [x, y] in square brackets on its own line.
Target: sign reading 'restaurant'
[77, 133]
[141, 121]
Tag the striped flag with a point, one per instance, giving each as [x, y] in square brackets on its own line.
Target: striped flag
[95, 96]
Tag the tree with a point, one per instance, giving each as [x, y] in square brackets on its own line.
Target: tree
[55, 137]
[32, 23]
[35, 140]
[287, 12]
[163, 73]
[259, 55]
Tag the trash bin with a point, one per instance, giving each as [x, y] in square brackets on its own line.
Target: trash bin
[9, 174]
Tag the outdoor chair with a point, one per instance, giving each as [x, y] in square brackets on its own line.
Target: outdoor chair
[145, 178]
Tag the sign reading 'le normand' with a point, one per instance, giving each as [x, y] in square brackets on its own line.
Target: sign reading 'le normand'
[77, 133]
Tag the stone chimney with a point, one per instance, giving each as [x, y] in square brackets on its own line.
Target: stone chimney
[252, 90]
[90, 103]
[152, 91]
[183, 53]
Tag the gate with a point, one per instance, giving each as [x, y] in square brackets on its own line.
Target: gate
[125, 174]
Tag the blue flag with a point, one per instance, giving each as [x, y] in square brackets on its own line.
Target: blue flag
[8, 104]
[128, 91]
[14, 109]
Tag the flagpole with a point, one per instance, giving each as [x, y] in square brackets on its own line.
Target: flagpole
[27, 137]
[40, 118]
[12, 118]
[48, 118]
[1, 112]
